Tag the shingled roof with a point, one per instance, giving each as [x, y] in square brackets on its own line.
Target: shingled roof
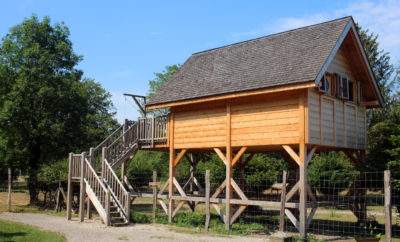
[290, 57]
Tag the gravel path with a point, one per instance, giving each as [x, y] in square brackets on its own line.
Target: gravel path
[96, 231]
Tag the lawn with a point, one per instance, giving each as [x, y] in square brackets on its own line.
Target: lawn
[10, 231]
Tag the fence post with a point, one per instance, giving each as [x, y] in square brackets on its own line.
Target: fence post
[207, 191]
[69, 187]
[388, 206]
[154, 196]
[82, 189]
[9, 190]
[283, 201]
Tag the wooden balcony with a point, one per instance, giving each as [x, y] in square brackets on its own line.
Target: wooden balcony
[153, 132]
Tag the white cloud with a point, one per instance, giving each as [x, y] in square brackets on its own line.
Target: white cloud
[382, 18]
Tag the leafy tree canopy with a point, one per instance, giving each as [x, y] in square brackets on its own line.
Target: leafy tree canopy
[46, 109]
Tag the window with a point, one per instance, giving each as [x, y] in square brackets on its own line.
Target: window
[344, 88]
[324, 85]
[351, 90]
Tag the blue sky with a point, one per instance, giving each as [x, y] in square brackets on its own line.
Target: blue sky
[125, 42]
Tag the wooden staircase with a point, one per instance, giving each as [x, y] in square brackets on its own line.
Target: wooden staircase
[109, 193]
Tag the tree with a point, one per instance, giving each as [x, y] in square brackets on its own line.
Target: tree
[379, 129]
[161, 78]
[331, 173]
[46, 109]
[158, 81]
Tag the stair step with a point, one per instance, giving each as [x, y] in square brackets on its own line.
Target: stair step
[117, 220]
[119, 224]
[114, 214]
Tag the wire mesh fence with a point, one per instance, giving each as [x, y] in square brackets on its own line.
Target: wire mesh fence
[355, 210]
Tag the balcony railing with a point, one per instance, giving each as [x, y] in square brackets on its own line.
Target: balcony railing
[153, 130]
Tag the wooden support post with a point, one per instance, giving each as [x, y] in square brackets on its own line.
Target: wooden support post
[171, 167]
[69, 187]
[388, 206]
[9, 190]
[303, 191]
[228, 176]
[154, 196]
[207, 195]
[283, 203]
[191, 171]
[82, 189]
[88, 208]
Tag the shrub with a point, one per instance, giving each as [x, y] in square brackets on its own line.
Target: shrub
[190, 219]
[394, 166]
[216, 167]
[262, 171]
[50, 174]
[140, 168]
[140, 218]
[331, 173]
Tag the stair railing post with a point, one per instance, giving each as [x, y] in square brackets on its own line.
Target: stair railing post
[124, 129]
[152, 131]
[103, 159]
[107, 207]
[82, 189]
[91, 155]
[128, 206]
[69, 187]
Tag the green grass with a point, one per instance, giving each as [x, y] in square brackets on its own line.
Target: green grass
[193, 222]
[16, 232]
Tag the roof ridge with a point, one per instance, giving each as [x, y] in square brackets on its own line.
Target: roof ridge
[271, 35]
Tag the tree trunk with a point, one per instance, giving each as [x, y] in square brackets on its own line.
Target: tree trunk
[32, 173]
[32, 186]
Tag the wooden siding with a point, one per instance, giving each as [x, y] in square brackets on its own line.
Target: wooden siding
[200, 128]
[266, 123]
[259, 122]
[343, 123]
[340, 65]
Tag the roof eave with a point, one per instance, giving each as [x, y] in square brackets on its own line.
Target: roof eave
[226, 96]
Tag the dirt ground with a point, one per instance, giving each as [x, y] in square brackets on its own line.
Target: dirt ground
[97, 232]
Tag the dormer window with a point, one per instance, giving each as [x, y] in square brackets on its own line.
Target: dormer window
[344, 89]
[324, 85]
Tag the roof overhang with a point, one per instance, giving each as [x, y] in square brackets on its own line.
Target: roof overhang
[275, 89]
[351, 26]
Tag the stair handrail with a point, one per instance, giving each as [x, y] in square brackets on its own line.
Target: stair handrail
[96, 151]
[118, 191]
[97, 186]
[126, 140]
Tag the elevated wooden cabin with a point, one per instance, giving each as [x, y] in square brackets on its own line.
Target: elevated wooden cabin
[301, 91]
[310, 85]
